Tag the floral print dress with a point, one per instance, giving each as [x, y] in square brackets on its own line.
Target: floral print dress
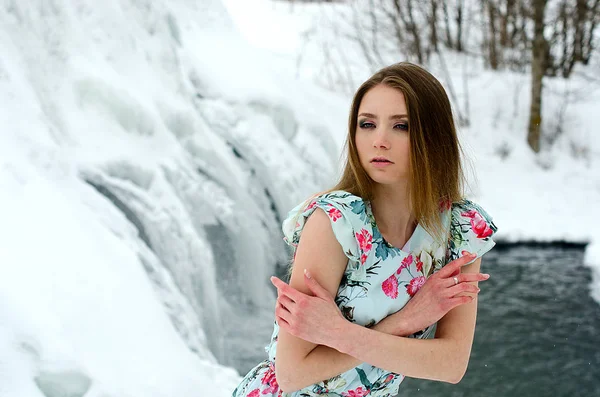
[379, 280]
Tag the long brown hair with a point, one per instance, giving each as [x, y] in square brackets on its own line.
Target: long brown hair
[436, 170]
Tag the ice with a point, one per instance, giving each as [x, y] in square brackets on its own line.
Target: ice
[148, 154]
[145, 178]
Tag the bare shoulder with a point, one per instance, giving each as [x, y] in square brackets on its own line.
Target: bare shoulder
[320, 253]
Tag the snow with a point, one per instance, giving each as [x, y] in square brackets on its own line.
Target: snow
[136, 143]
[76, 300]
[148, 153]
[551, 196]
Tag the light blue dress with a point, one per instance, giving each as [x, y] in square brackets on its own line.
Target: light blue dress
[379, 280]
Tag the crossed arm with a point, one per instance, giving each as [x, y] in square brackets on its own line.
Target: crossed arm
[316, 342]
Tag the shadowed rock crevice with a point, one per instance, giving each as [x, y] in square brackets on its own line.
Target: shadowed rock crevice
[129, 214]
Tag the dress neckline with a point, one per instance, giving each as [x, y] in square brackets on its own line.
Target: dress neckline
[385, 242]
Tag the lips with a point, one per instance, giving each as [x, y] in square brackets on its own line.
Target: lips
[380, 159]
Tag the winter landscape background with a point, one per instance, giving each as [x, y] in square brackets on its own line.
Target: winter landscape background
[149, 151]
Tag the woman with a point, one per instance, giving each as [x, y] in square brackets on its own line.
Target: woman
[386, 257]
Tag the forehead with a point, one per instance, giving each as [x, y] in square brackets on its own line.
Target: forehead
[383, 100]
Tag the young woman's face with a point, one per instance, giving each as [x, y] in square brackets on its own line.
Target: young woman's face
[382, 139]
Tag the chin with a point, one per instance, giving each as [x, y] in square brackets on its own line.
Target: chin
[386, 182]
[385, 179]
[388, 179]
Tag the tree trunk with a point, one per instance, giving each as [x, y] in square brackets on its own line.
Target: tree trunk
[580, 19]
[459, 25]
[484, 31]
[449, 41]
[414, 30]
[492, 45]
[433, 24]
[510, 17]
[514, 21]
[393, 17]
[537, 73]
[593, 18]
[504, 25]
[564, 17]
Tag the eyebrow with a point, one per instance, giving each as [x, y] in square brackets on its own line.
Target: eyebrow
[395, 116]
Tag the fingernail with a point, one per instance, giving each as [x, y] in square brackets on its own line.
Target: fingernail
[478, 289]
[472, 255]
[485, 275]
[307, 273]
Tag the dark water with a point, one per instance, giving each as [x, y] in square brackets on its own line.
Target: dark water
[538, 329]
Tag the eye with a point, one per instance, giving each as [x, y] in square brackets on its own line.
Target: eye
[401, 126]
[366, 125]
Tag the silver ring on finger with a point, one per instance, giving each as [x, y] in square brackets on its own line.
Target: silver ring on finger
[455, 280]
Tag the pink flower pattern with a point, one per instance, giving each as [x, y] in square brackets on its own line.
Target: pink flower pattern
[363, 259]
[478, 224]
[358, 392]
[270, 380]
[415, 285]
[365, 243]
[365, 240]
[334, 214]
[406, 262]
[419, 266]
[390, 286]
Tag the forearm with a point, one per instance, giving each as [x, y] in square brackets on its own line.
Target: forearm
[324, 362]
[444, 358]
[436, 359]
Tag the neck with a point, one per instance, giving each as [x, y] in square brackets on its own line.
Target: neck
[392, 210]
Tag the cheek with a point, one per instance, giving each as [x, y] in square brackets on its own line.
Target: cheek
[407, 151]
[405, 146]
[359, 142]
[404, 152]
[407, 156]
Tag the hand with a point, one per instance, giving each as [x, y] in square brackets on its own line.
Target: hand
[316, 319]
[439, 295]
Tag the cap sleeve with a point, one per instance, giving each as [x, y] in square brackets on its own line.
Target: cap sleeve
[471, 230]
[343, 210]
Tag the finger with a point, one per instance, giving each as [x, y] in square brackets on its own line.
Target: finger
[282, 323]
[472, 277]
[315, 287]
[287, 327]
[459, 300]
[286, 302]
[463, 287]
[465, 278]
[455, 265]
[454, 273]
[284, 288]
[277, 282]
[282, 313]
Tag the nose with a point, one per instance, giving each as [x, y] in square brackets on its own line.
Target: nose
[380, 140]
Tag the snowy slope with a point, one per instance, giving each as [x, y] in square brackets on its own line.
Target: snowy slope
[147, 157]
